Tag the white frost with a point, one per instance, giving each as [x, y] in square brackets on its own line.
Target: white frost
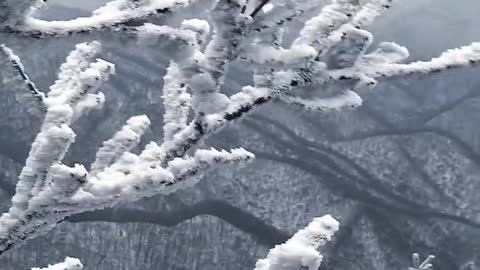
[68, 264]
[300, 252]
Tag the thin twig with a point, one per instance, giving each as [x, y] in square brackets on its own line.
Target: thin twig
[18, 66]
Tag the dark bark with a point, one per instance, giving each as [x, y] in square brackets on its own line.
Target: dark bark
[264, 233]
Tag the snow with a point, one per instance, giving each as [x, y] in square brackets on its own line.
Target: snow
[77, 61]
[350, 48]
[330, 18]
[89, 102]
[271, 55]
[17, 64]
[370, 11]
[300, 252]
[80, 76]
[171, 33]
[386, 52]
[462, 56]
[347, 99]
[210, 103]
[68, 264]
[113, 13]
[213, 155]
[176, 101]
[123, 141]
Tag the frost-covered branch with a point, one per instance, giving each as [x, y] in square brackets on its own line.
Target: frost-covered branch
[68, 264]
[123, 141]
[382, 63]
[348, 99]
[300, 251]
[19, 17]
[328, 45]
[176, 102]
[48, 191]
[329, 56]
[18, 66]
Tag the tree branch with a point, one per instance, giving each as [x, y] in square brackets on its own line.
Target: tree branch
[18, 66]
[266, 234]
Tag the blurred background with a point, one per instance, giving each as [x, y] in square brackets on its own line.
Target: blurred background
[401, 173]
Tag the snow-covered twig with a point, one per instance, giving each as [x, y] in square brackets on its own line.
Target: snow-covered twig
[123, 141]
[347, 99]
[18, 66]
[382, 65]
[300, 251]
[113, 14]
[176, 101]
[331, 48]
[48, 191]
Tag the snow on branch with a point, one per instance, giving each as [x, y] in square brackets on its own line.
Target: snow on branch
[79, 76]
[269, 55]
[370, 11]
[353, 45]
[176, 102]
[273, 14]
[68, 264]
[123, 141]
[347, 99]
[44, 177]
[192, 169]
[330, 50]
[113, 14]
[330, 18]
[49, 191]
[18, 66]
[340, 24]
[333, 39]
[203, 159]
[300, 251]
[381, 65]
